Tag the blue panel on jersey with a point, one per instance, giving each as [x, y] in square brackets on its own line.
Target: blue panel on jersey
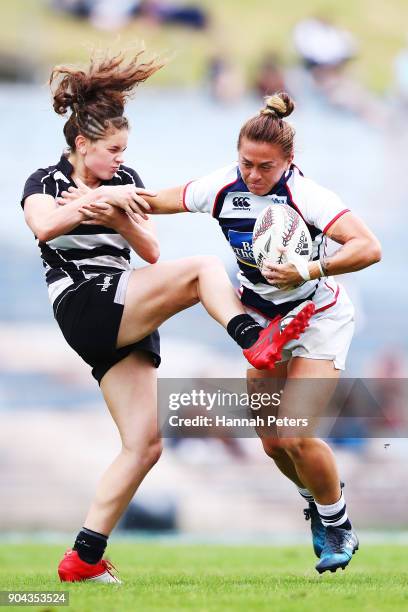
[241, 244]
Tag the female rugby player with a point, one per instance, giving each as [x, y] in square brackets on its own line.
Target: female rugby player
[108, 312]
[235, 195]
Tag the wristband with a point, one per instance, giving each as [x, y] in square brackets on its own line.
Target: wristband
[320, 268]
[302, 266]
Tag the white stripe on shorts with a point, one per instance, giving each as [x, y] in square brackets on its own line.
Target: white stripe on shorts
[121, 288]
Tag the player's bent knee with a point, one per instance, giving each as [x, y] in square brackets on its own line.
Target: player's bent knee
[273, 447]
[144, 455]
[202, 263]
[212, 260]
[151, 453]
[294, 447]
[154, 452]
[189, 295]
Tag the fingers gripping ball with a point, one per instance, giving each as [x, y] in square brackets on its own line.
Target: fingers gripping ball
[281, 236]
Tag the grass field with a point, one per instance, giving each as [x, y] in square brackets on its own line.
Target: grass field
[241, 29]
[217, 578]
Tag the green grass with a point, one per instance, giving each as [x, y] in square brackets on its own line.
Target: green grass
[217, 578]
[241, 29]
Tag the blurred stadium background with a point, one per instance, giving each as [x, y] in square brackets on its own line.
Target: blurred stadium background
[351, 119]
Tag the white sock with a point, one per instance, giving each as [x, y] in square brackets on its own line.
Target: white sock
[333, 515]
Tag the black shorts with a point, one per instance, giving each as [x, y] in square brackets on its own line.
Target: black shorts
[89, 316]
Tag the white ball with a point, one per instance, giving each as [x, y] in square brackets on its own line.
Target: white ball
[280, 235]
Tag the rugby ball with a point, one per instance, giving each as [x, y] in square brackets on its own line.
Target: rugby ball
[280, 235]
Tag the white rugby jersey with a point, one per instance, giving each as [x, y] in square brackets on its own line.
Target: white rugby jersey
[225, 196]
[86, 250]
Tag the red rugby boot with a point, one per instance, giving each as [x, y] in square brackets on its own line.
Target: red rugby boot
[73, 569]
[267, 350]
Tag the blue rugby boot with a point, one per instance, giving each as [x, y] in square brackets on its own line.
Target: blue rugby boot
[317, 528]
[338, 549]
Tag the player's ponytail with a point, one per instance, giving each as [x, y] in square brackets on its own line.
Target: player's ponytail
[96, 96]
[269, 126]
[280, 104]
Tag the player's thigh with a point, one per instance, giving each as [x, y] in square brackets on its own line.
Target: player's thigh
[155, 293]
[266, 383]
[302, 367]
[309, 388]
[130, 391]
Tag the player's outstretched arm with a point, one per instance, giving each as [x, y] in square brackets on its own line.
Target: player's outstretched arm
[133, 199]
[167, 201]
[127, 197]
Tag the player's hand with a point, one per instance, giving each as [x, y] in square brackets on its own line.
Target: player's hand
[73, 193]
[102, 213]
[284, 276]
[129, 198]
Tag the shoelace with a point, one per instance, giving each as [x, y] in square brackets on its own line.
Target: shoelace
[335, 540]
[109, 566]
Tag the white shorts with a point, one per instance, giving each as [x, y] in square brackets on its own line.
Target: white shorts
[329, 333]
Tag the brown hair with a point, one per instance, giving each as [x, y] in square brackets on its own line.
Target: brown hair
[268, 125]
[97, 95]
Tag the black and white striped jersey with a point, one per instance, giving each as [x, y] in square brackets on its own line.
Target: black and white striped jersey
[86, 250]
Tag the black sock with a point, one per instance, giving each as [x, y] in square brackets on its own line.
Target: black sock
[346, 525]
[90, 545]
[244, 330]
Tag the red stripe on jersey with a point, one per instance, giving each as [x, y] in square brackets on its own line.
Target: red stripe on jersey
[331, 303]
[184, 196]
[219, 193]
[335, 219]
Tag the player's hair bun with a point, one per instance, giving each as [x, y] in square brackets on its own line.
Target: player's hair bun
[64, 99]
[280, 104]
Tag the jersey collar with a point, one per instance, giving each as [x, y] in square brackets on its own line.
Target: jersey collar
[65, 166]
[280, 185]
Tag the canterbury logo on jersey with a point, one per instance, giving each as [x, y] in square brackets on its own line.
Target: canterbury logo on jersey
[241, 202]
